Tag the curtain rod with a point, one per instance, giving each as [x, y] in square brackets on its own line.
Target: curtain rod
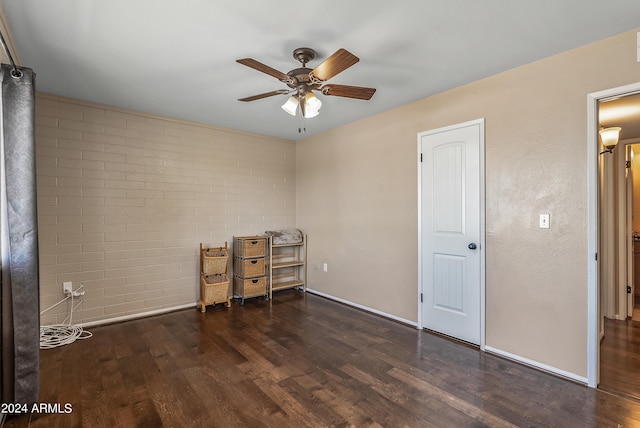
[16, 72]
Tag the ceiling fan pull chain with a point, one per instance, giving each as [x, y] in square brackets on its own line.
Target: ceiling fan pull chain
[301, 123]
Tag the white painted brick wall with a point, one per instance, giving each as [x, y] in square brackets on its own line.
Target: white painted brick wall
[125, 199]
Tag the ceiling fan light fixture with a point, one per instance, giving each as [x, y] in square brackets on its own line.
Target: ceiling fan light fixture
[291, 106]
[312, 105]
[311, 113]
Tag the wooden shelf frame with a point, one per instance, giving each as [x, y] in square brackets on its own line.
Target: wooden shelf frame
[287, 268]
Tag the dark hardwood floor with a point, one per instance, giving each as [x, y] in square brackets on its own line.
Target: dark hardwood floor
[301, 360]
[620, 357]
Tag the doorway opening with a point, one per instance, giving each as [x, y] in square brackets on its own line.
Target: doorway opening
[620, 248]
[611, 236]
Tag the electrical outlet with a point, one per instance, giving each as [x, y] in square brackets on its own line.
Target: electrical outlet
[325, 267]
[67, 287]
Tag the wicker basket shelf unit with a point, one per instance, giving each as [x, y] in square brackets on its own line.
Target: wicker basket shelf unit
[249, 267]
[214, 277]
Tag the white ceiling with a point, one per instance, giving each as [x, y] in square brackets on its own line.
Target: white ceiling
[177, 58]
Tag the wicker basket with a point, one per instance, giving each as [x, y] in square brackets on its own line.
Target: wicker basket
[249, 287]
[250, 246]
[214, 289]
[214, 261]
[250, 267]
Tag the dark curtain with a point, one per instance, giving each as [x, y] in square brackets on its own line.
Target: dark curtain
[18, 220]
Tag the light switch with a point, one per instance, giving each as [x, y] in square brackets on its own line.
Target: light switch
[544, 221]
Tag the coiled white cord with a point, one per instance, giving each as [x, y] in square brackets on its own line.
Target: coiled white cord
[54, 335]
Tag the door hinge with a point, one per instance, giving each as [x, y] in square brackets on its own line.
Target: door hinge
[420, 157]
[596, 256]
[628, 289]
[421, 298]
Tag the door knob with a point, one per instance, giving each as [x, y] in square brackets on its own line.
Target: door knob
[472, 246]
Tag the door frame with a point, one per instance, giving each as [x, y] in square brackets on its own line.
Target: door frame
[625, 231]
[593, 285]
[630, 208]
[481, 123]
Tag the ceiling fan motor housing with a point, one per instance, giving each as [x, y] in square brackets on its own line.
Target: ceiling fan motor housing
[301, 76]
[301, 80]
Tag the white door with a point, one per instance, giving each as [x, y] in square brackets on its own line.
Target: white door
[452, 228]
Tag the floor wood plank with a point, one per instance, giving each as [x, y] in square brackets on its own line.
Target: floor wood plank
[301, 360]
[620, 357]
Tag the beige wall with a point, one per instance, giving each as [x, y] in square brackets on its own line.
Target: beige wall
[357, 200]
[125, 199]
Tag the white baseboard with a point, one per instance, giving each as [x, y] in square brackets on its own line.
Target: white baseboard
[537, 365]
[134, 316]
[364, 308]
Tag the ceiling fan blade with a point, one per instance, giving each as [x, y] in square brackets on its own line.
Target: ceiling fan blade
[265, 95]
[336, 63]
[348, 91]
[256, 65]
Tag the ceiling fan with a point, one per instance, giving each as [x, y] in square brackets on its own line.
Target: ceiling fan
[303, 81]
